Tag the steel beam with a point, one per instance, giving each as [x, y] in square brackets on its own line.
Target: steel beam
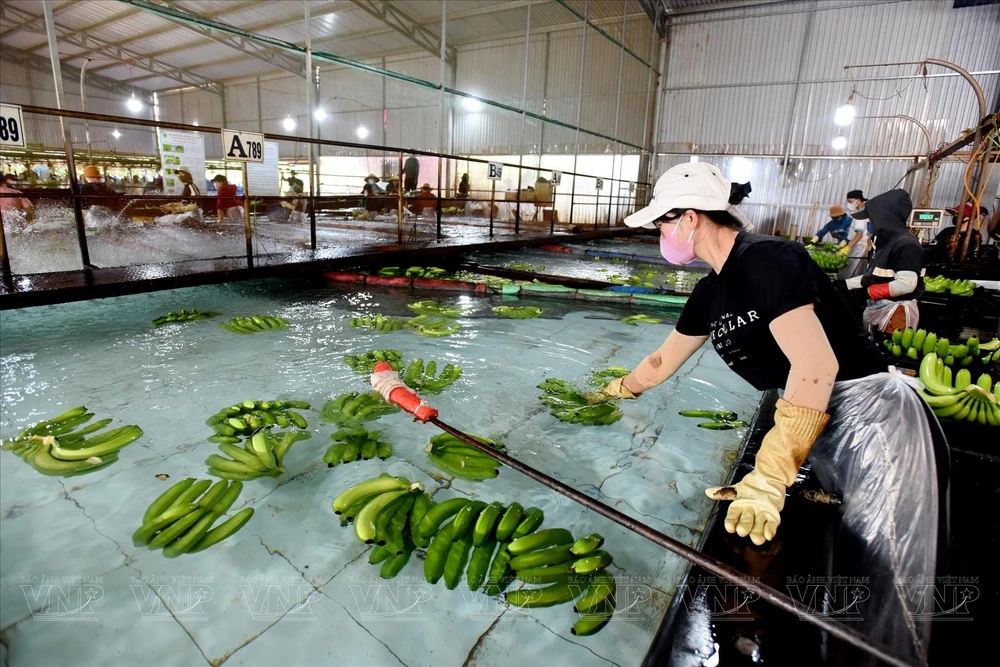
[388, 13]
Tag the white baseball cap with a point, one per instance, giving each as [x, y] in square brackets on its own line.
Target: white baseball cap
[692, 185]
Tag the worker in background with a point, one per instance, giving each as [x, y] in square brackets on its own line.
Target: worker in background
[939, 250]
[296, 207]
[463, 186]
[371, 186]
[295, 183]
[135, 187]
[411, 172]
[185, 177]
[857, 249]
[228, 206]
[102, 210]
[425, 199]
[16, 211]
[894, 279]
[392, 188]
[838, 227]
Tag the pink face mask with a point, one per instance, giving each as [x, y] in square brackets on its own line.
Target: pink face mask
[677, 252]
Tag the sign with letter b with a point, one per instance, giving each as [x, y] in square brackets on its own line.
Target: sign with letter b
[494, 171]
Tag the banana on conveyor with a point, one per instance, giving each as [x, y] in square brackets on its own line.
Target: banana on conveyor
[356, 443]
[352, 409]
[518, 312]
[458, 459]
[60, 447]
[436, 309]
[422, 378]
[569, 404]
[722, 420]
[364, 363]
[960, 399]
[434, 327]
[183, 316]
[380, 323]
[180, 520]
[255, 323]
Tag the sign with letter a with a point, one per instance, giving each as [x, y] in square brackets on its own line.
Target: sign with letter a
[242, 146]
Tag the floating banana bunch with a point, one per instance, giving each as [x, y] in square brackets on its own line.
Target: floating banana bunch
[518, 312]
[435, 308]
[379, 323]
[568, 404]
[364, 363]
[490, 544]
[421, 377]
[254, 324]
[353, 409]
[425, 325]
[354, 444]
[458, 459]
[635, 320]
[183, 316]
[53, 447]
[243, 419]
[260, 456]
[961, 399]
[722, 420]
[180, 520]
[413, 272]
[601, 378]
[523, 266]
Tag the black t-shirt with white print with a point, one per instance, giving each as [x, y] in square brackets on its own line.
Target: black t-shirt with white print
[763, 278]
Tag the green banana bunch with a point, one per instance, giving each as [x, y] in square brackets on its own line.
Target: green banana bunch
[381, 510]
[183, 316]
[350, 445]
[940, 284]
[458, 459]
[961, 288]
[962, 400]
[254, 324]
[434, 308]
[421, 378]
[523, 266]
[568, 404]
[180, 520]
[389, 271]
[53, 447]
[379, 323]
[350, 410]
[518, 312]
[827, 260]
[364, 363]
[722, 420]
[635, 320]
[243, 419]
[261, 456]
[601, 378]
[425, 325]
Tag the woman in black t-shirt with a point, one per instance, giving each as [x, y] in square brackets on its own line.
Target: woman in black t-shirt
[772, 315]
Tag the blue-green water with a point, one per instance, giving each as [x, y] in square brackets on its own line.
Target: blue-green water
[293, 587]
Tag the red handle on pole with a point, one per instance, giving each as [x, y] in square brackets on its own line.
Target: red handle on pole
[406, 398]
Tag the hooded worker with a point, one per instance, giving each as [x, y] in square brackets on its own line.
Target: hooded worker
[894, 278]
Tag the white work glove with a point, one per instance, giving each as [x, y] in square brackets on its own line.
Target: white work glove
[760, 496]
[814, 240]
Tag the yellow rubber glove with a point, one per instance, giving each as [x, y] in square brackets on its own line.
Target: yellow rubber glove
[843, 251]
[760, 496]
[615, 389]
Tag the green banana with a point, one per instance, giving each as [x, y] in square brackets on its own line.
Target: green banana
[395, 563]
[602, 586]
[542, 557]
[458, 557]
[177, 528]
[166, 499]
[593, 562]
[437, 555]
[540, 540]
[126, 436]
[364, 522]
[486, 524]
[376, 485]
[533, 518]
[479, 564]
[509, 521]
[585, 545]
[148, 529]
[213, 495]
[594, 620]
[531, 598]
[242, 456]
[223, 530]
[465, 519]
[436, 516]
[549, 574]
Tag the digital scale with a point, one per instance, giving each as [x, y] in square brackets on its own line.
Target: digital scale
[924, 219]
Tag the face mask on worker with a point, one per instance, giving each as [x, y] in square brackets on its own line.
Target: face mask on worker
[676, 251]
[852, 205]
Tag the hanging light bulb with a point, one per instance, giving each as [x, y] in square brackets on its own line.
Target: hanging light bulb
[319, 114]
[362, 132]
[839, 142]
[471, 104]
[195, 123]
[134, 104]
[288, 123]
[845, 113]
[116, 134]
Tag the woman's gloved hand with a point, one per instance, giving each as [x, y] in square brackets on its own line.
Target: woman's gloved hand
[814, 240]
[760, 496]
[844, 249]
[615, 389]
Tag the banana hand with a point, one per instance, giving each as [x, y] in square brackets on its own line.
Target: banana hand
[756, 507]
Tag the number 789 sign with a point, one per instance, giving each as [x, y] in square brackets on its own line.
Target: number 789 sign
[242, 146]
[11, 126]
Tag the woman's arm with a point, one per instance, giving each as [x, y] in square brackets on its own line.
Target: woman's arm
[658, 367]
[814, 367]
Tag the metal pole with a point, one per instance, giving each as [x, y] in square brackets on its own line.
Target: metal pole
[310, 103]
[399, 193]
[520, 139]
[618, 102]
[579, 102]
[572, 200]
[83, 106]
[517, 207]
[644, 160]
[443, 67]
[81, 233]
[246, 217]
[792, 112]
[493, 198]
[552, 218]
[5, 273]
[658, 103]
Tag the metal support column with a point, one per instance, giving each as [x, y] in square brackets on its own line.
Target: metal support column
[579, 104]
[401, 202]
[644, 175]
[310, 103]
[83, 106]
[81, 233]
[5, 273]
[618, 104]
[441, 118]
[248, 232]
[520, 139]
